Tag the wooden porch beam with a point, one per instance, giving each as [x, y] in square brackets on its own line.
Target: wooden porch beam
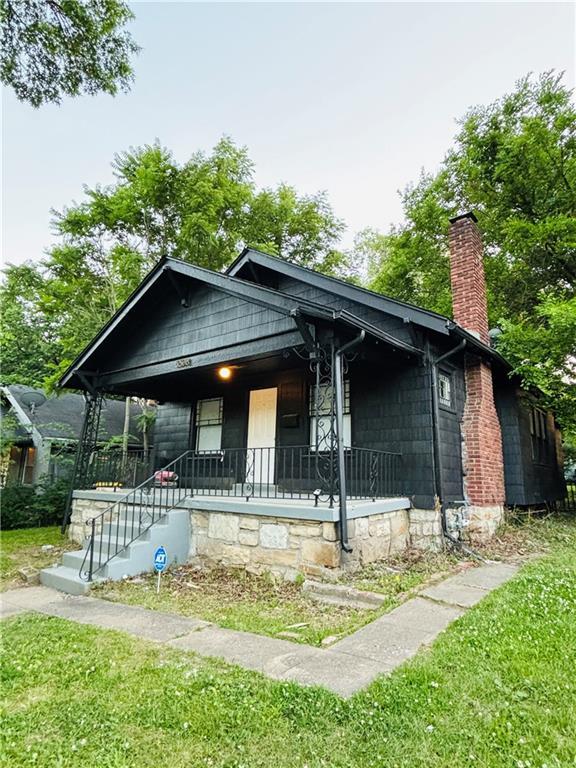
[235, 353]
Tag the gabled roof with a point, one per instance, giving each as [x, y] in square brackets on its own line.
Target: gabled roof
[378, 301]
[61, 417]
[403, 310]
[277, 301]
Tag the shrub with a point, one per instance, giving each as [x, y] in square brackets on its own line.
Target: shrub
[27, 507]
[18, 507]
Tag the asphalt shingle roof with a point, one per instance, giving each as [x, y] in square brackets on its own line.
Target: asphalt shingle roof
[62, 416]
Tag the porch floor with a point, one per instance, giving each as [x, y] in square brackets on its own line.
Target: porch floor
[296, 506]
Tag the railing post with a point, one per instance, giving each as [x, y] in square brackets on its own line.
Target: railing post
[192, 473]
[92, 539]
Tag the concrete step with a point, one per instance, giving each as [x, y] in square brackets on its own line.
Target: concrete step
[66, 580]
[171, 532]
[75, 559]
[122, 529]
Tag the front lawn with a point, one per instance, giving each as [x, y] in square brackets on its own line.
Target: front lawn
[239, 600]
[23, 547]
[235, 599]
[497, 690]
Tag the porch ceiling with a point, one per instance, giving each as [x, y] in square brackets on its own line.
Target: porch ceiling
[165, 382]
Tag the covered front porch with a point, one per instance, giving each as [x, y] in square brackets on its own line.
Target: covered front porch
[293, 425]
[264, 456]
[279, 420]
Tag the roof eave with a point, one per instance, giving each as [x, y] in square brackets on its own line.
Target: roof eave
[408, 312]
[478, 345]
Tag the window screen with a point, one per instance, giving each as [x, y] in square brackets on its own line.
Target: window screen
[445, 389]
[323, 421]
[209, 424]
[539, 436]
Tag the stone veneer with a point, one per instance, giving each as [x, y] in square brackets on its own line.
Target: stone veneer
[83, 510]
[483, 522]
[288, 546]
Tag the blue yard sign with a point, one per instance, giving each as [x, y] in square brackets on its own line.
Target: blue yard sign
[160, 560]
[160, 564]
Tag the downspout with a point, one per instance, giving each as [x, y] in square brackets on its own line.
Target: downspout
[339, 398]
[437, 452]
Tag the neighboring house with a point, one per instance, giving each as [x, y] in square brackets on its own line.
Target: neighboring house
[45, 437]
[293, 398]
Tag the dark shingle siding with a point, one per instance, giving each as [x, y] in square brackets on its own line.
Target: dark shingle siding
[171, 431]
[527, 482]
[213, 320]
[392, 412]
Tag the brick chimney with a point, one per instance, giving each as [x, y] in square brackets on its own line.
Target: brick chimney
[470, 308]
[482, 454]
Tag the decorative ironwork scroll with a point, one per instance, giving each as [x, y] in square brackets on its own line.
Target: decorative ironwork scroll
[88, 439]
[248, 487]
[324, 414]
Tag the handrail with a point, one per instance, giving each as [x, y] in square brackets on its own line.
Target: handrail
[274, 473]
[106, 518]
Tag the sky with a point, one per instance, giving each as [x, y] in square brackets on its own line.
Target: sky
[350, 98]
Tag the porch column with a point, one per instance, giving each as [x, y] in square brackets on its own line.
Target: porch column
[325, 416]
[86, 446]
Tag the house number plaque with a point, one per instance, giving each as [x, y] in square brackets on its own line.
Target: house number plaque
[185, 362]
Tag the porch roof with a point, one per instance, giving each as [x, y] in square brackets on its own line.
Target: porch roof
[169, 272]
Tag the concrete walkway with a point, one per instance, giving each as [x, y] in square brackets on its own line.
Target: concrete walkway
[344, 668]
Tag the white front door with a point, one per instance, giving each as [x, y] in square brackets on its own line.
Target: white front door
[261, 435]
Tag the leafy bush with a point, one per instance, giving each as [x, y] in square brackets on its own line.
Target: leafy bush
[27, 506]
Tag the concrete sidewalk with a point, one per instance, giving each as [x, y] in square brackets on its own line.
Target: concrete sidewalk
[346, 667]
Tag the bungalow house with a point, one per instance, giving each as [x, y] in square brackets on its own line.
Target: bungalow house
[307, 424]
[43, 434]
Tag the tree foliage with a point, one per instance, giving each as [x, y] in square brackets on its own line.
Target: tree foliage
[26, 335]
[55, 48]
[514, 164]
[203, 211]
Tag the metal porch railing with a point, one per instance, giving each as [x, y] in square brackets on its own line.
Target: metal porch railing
[287, 472]
[113, 530]
[114, 468]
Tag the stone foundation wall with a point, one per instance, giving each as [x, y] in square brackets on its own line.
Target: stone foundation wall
[287, 547]
[83, 510]
[426, 529]
[483, 522]
[260, 543]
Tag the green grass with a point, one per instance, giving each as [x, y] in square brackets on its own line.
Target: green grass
[406, 571]
[497, 690]
[235, 599]
[24, 547]
[239, 600]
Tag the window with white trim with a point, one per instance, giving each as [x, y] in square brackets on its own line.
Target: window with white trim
[209, 424]
[323, 420]
[445, 389]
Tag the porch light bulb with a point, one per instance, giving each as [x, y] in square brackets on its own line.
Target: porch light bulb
[224, 373]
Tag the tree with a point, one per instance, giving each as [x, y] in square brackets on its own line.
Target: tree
[514, 164]
[145, 421]
[203, 211]
[26, 335]
[301, 229]
[52, 48]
